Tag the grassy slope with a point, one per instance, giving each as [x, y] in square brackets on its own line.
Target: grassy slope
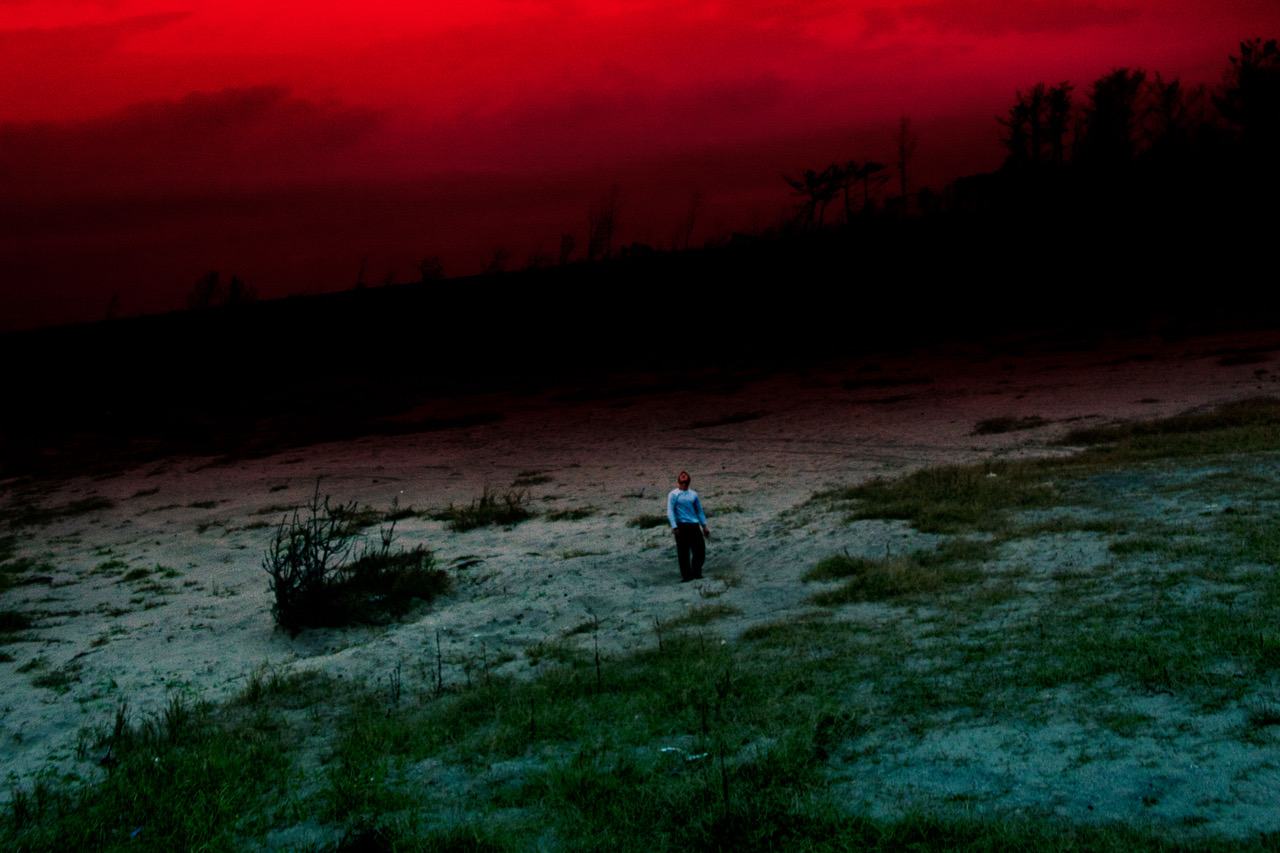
[698, 745]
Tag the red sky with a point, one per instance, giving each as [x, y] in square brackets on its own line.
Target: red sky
[143, 142]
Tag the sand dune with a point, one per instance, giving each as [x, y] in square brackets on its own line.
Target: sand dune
[161, 587]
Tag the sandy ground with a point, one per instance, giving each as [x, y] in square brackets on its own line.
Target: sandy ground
[207, 625]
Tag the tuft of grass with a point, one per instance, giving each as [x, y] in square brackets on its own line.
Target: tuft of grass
[575, 553]
[644, 522]
[1264, 715]
[58, 680]
[571, 514]
[996, 426]
[525, 479]
[20, 571]
[700, 615]
[488, 509]
[34, 516]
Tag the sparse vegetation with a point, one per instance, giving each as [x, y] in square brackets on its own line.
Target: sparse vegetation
[995, 426]
[644, 522]
[705, 742]
[576, 513]
[316, 582]
[488, 509]
[889, 578]
[26, 515]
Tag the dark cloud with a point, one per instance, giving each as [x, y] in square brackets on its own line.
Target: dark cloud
[205, 141]
[1004, 17]
[39, 47]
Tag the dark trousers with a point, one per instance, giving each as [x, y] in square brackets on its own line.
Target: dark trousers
[691, 550]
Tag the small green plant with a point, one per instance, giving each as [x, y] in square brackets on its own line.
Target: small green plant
[644, 522]
[490, 508]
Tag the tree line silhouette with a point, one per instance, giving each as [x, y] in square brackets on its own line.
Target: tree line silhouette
[1131, 145]
[1132, 130]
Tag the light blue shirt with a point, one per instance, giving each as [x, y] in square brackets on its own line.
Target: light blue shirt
[683, 506]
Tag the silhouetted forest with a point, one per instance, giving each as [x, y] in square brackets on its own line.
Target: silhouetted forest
[1132, 205]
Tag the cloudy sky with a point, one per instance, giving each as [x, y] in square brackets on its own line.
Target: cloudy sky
[143, 142]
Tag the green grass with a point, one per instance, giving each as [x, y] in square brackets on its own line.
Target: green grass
[489, 509]
[957, 499]
[525, 479]
[889, 578]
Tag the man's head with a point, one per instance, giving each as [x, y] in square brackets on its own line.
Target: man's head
[683, 480]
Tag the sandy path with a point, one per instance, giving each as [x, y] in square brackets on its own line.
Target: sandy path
[208, 625]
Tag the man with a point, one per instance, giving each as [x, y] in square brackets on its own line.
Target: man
[688, 526]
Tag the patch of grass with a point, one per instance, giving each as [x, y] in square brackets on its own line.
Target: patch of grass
[888, 578]
[577, 552]
[190, 778]
[136, 575]
[996, 426]
[275, 509]
[1263, 716]
[1241, 426]
[58, 680]
[644, 522]
[965, 498]
[202, 505]
[488, 509]
[20, 571]
[576, 513]
[702, 614]
[525, 479]
[34, 516]
[12, 621]
[949, 499]
[1138, 545]
[111, 567]
[36, 663]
